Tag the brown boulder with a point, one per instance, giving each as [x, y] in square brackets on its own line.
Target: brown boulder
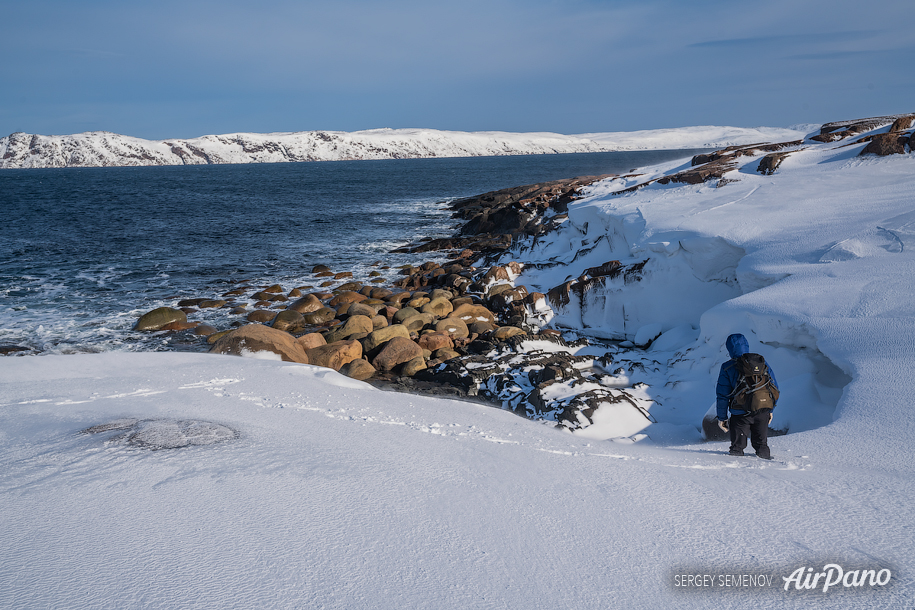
[473, 313]
[335, 355]
[413, 366]
[506, 332]
[358, 369]
[180, 325]
[354, 325]
[381, 336]
[260, 338]
[885, 144]
[439, 307]
[205, 330]
[306, 304]
[903, 123]
[260, 315]
[289, 321]
[396, 351]
[347, 296]
[157, 318]
[311, 340]
[418, 322]
[325, 314]
[455, 327]
[320, 269]
[434, 341]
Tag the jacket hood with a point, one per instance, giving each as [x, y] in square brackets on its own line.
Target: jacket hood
[737, 345]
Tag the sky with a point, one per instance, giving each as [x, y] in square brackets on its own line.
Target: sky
[170, 69]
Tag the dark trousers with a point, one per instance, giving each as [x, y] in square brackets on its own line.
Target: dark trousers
[753, 425]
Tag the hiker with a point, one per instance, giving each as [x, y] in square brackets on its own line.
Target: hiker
[749, 397]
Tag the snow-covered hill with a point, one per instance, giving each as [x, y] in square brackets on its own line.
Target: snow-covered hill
[103, 149]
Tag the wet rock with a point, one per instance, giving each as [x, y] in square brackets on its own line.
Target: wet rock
[275, 289]
[358, 369]
[237, 292]
[306, 304]
[325, 314]
[320, 269]
[350, 286]
[289, 321]
[261, 316]
[190, 302]
[157, 318]
[6, 350]
[217, 336]
[211, 304]
[395, 352]
[259, 338]
[335, 355]
[347, 297]
[176, 326]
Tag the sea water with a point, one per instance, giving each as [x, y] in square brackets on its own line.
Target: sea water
[85, 251]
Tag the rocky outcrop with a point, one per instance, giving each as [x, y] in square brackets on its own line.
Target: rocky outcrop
[159, 317]
[886, 144]
[259, 338]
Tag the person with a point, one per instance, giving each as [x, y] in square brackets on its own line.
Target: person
[741, 424]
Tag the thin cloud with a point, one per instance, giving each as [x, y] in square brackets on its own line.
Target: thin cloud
[816, 37]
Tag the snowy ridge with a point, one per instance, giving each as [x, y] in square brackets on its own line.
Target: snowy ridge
[103, 149]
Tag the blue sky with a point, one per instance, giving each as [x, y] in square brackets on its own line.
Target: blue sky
[171, 69]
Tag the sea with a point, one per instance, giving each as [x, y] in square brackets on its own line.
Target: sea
[85, 251]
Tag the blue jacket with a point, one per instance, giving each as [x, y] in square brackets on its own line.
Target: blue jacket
[728, 377]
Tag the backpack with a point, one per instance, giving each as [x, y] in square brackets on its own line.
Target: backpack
[754, 389]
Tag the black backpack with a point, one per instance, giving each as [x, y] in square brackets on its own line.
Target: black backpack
[754, 389]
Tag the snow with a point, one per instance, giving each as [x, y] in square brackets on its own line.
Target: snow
[270, 484]
[20, 150]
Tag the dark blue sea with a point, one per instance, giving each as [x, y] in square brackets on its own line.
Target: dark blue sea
[85, 251]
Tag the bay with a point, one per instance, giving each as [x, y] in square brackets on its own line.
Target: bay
[85, 251]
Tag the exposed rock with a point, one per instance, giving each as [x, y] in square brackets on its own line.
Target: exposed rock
[434, 341]
[396, 351]
[211, 304]
[409, 369]
[320, 269]
[769, 163]
[311, 340]
[306, 304]
[439, 307]
[455, 327]
[358, 369]
[347, 297]
[159, 317]
[335, 355]
[506, 332]
[903, 123]
[354, 325]
[473, 313]
[325, 314]
[176, 326]
[404, 313]
[377, 338]
[289, 321]
[886, 144]
[260, 338]
[260, 315]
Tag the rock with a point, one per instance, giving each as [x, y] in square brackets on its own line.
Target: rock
[412, 367]
[495, 274]
[275, 289]
[359, 309]
[342, 275]
[397, 299]
[217, 336]
[396, 351]
[259, 338]
[175, 326]
[335, 355]
[294, 293]
[350, 286]
[434, 341]
[237, 311]
[205, 330]
[455, 327]
[418, 302]
[347, 296]
[320, 269]
[379, 322]
[885, 144]
[6, 350]
[903, 123]
[289, 321]
[473, 313]
[353, 325]
[260, 315]
[403, 314]
[439, 307]
[311, 340]
[306, 304]
[157, 318]
[507, 332]
[377, 338]
[358, 369]
[211, 304]
[190, 302]
[418, 322]
[325, 314]
[480, 328]
[237, 292]
[444, 354]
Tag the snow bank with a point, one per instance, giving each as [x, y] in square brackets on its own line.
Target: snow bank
[331, 494]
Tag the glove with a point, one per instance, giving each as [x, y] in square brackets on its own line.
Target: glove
[770, 418]
[723, 424]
